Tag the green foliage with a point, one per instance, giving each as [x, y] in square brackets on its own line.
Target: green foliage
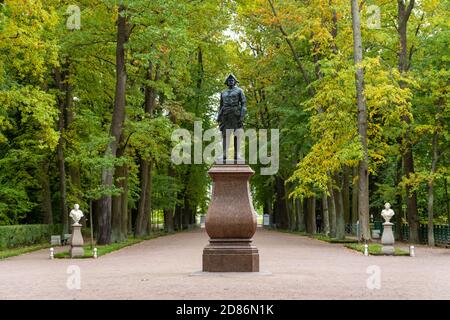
[22, 235]
[294, 63]
[21, 250]
[333, 240]
[321, 237]
[164, 192]
[315, 108]
[375, 249]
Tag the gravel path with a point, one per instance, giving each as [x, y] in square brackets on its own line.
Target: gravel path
[293, 267]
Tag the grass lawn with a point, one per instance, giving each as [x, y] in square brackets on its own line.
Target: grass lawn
[21, 250]
[300, 233]
[321, 237]
[104, 249]
[375, 249]
[333, 240]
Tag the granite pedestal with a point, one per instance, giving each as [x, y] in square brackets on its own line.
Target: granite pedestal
[230, 221]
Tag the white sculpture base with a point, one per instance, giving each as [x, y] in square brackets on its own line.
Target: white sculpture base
[76, 241]
[387, 239]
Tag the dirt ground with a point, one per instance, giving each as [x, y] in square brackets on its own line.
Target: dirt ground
[292, 267]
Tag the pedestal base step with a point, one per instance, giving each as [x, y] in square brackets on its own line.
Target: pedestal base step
[389, 250]
[76, 252]
[230, 255]
[236, 275]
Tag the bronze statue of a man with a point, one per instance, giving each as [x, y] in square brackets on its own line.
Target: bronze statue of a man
[231, 114]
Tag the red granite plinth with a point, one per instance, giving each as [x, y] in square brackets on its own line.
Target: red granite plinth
[231, 222]
[230, 255]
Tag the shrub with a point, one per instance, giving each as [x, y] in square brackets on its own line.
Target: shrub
[27, 234]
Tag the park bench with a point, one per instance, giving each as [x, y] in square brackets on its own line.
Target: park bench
[376, 233]
[55, 240]
[66, 239]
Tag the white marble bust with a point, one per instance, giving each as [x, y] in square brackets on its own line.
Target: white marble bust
[387, 212]
[76, 214]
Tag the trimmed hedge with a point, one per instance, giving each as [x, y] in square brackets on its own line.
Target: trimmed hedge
[27, 234]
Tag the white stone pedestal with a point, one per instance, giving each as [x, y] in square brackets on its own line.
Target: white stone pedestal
[76, 241]
[387, 239]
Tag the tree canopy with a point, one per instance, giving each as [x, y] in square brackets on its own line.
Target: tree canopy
[91, 91]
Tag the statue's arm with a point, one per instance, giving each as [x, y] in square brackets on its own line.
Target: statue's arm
[243, 105]
[219, 115]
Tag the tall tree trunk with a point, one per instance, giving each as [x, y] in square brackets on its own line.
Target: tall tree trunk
[46, 199]
[447, 199]
[268, 206]
[119, 202]
[200, 75]
[290, 211]
[300, 215]
[404, 12]
[144, 204]
[95, 213]
[151, 222]
[339, 207]
[131, 217]
[140, 227]
[187, 212]
[363, 181]
[326, 214]
[169, 213]
[346, 195]
[117, 234]
[105, 203]
[178, 218]
[75, 180]
[168, 220]
[281, 203]
[294, 216]
[430, 214]
[306, 206]
[355, 184]
[434, 161]
[275, 214]
[125, 210]
[399, 201]
[148, 199]
[311, 218]
[332, 209]
[59, 77]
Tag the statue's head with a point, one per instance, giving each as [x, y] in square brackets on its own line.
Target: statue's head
[387, 205]
[76, 206]
[231, 80]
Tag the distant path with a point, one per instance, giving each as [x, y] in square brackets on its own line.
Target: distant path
[302, 268]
